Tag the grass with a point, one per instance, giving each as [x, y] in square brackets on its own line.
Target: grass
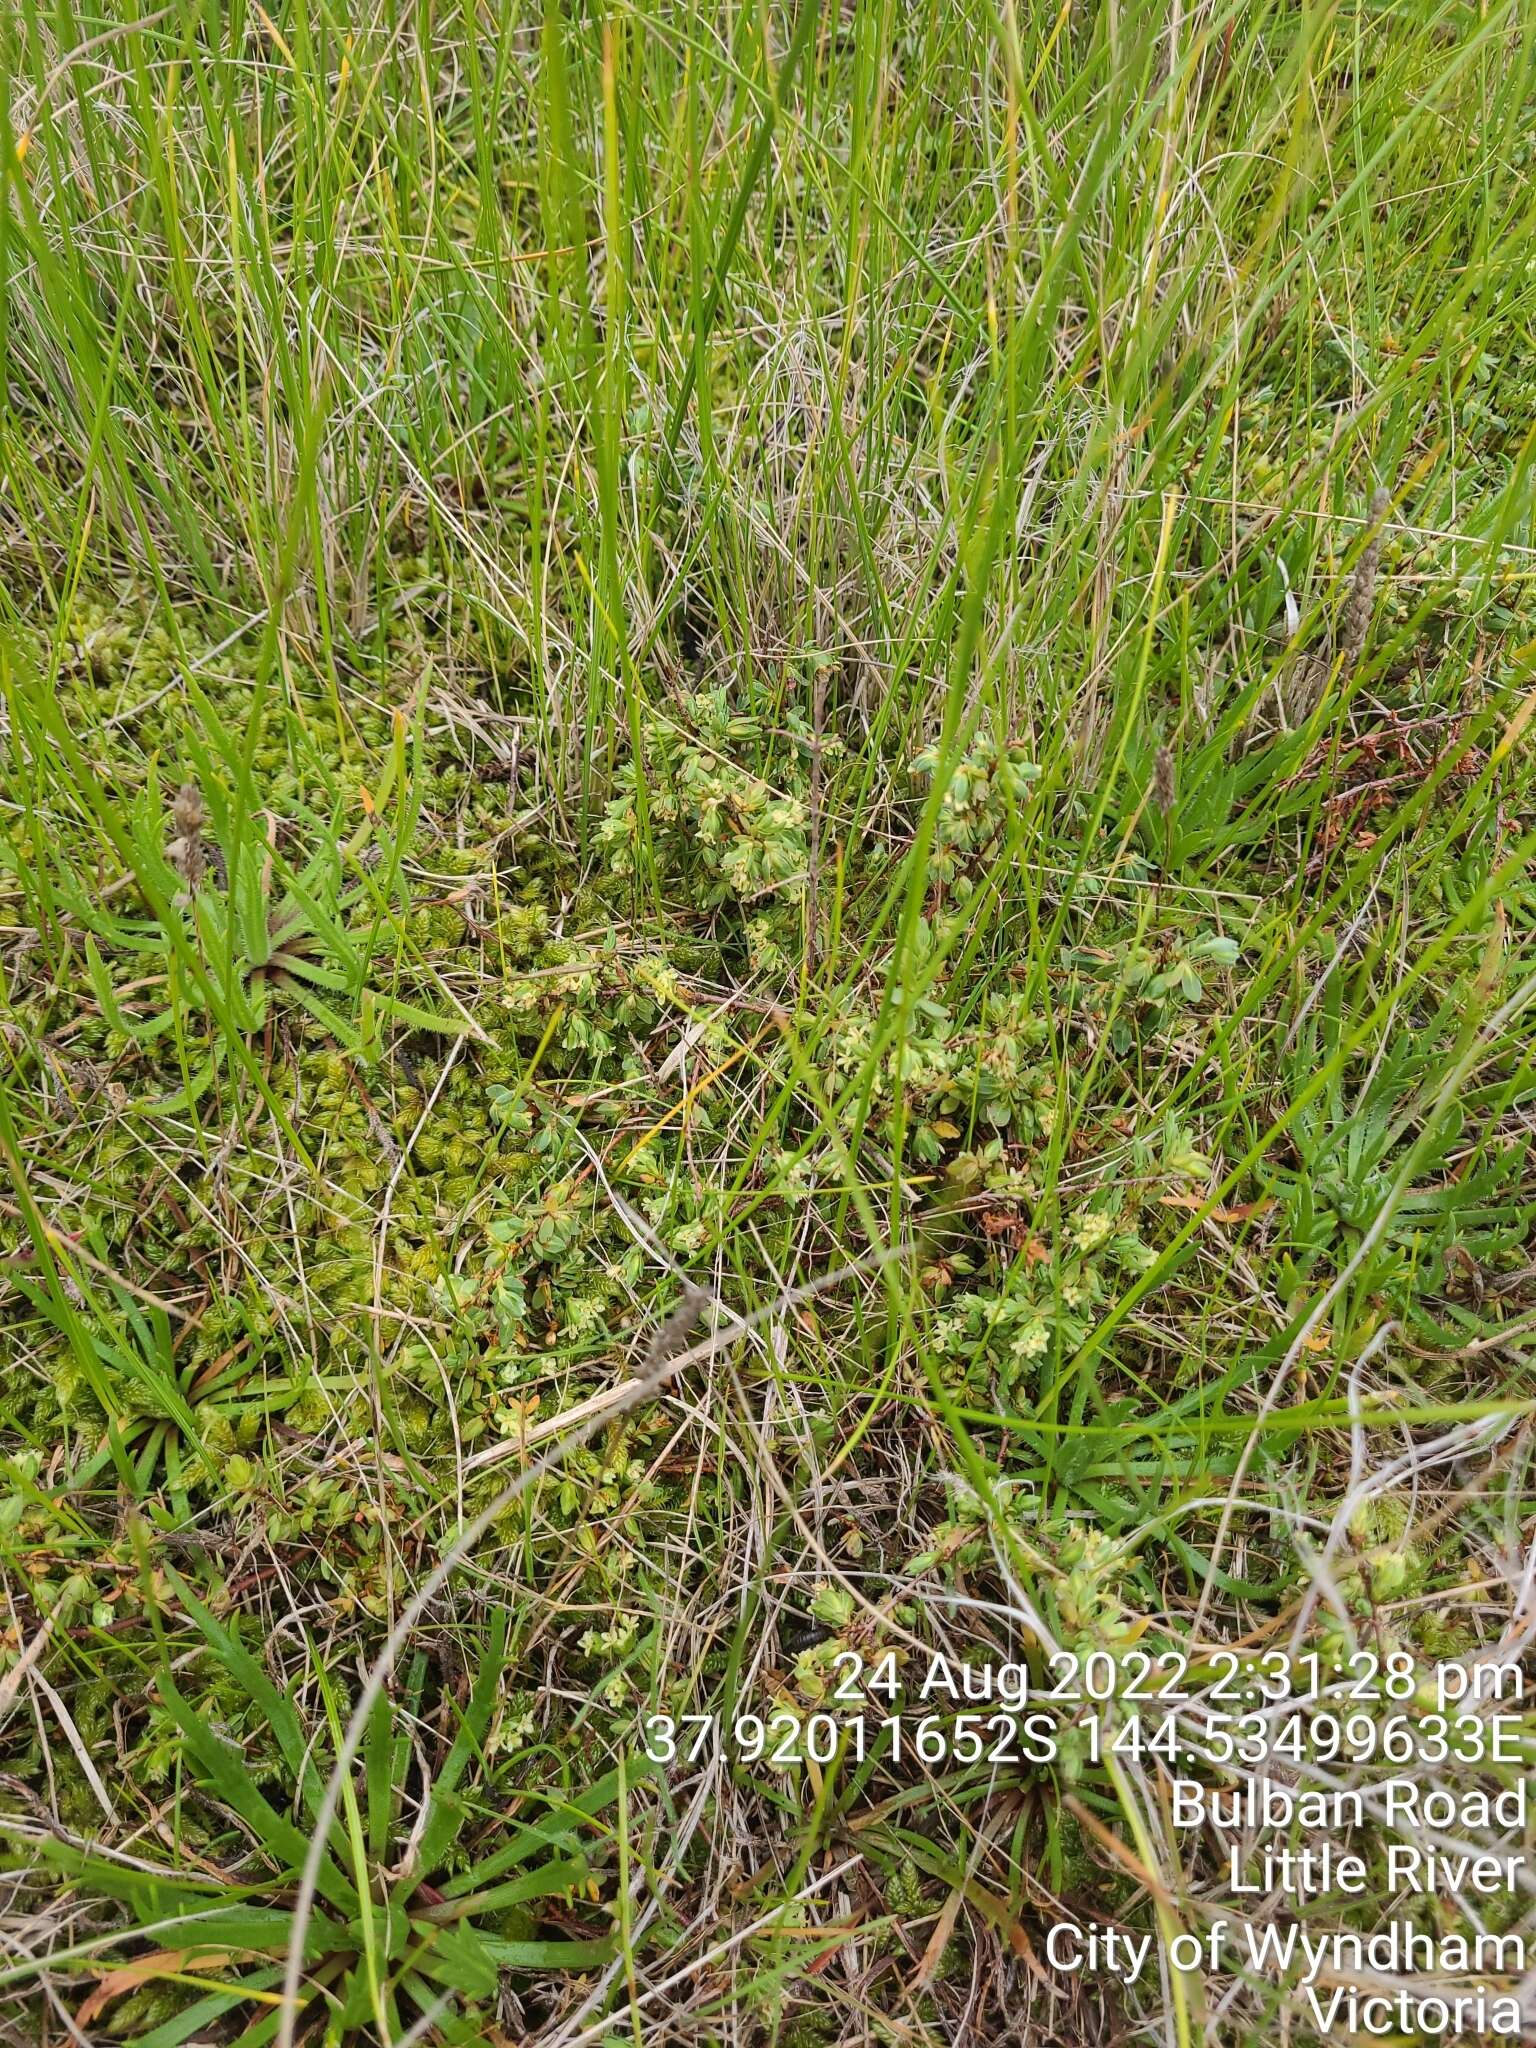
[876, 658]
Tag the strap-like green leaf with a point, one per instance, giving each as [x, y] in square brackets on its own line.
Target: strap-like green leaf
[227, 1771]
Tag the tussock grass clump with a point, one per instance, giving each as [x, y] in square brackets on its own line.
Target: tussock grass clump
[730, 699]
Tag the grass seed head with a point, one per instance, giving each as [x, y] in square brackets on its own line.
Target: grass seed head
[672, 1338]
[1361, 602]
[185, 851]
[1164, 781]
